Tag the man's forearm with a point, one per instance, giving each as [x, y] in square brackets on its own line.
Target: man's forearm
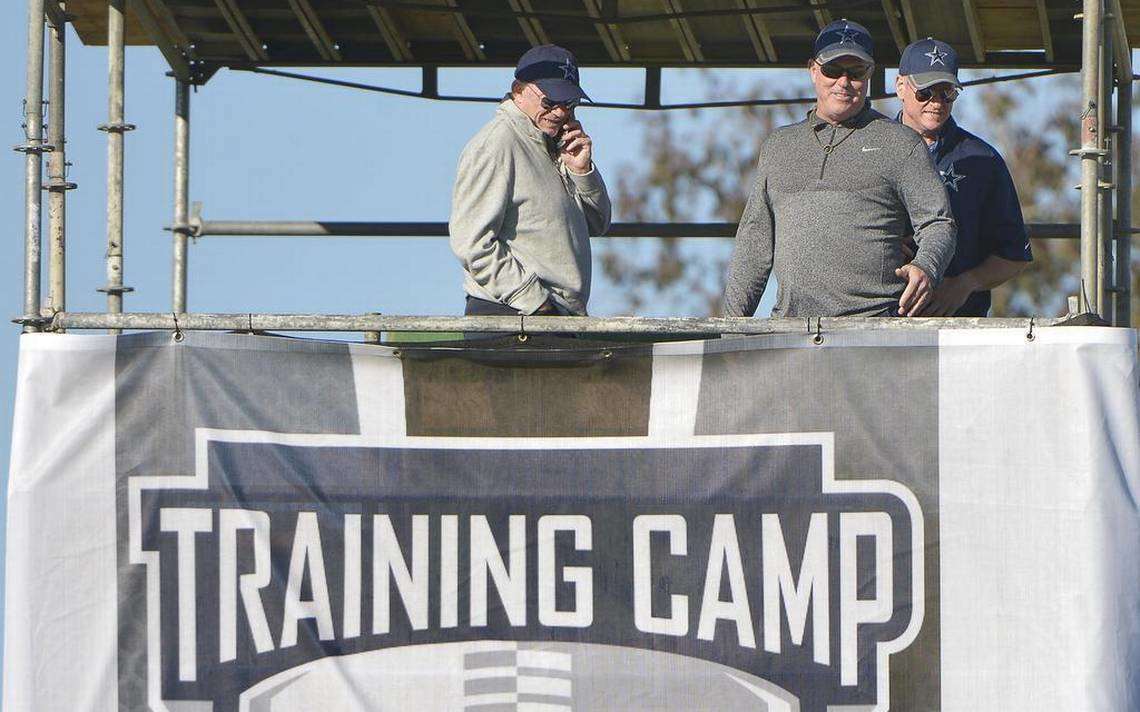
[993, 272]
[937, 242]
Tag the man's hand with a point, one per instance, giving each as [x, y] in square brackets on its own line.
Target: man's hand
[576, 148]
[950, 295]
[919, 289]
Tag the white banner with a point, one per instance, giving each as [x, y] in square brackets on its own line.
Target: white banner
[887, 520]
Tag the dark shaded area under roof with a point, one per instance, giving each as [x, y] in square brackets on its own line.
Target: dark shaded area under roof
[209, 34]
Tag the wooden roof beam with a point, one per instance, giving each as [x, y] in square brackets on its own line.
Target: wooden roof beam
[465, 36]
[315, 29]
[150, 25]
[531, 26]
[253, 47]
[610, 35]
[166, 18]
[975, 27]
[758, 32]
[908, 19]
[397, 45]
[893, 22]
[690, 47]
[1120, 46]
[822, 14]
[1046, 33]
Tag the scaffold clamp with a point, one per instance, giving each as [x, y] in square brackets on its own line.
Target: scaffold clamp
[37, 321]
[34, 147]
[59, 185]
[116, 127]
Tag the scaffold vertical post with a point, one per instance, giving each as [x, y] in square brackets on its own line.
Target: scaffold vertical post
[1123, 293]
[33, 161]
[181, 195]
[57, 184]
[1090, 145]
[1105, 275]
[115, 128]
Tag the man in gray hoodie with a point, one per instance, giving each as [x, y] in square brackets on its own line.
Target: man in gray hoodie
[834, 196]
[528, 197]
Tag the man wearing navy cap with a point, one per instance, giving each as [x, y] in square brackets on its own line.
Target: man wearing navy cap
[528, 197]
[834, 197]
[993, 246]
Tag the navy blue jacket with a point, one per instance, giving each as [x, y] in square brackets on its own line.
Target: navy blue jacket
[984, 201]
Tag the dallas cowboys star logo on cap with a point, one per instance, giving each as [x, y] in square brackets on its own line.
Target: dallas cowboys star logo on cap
[950, 178]
[846, 35]
[569, 71]
[937, 56]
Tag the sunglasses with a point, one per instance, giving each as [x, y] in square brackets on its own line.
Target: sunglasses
[855, 72]
[569, 105]
[549, 105]
[945, 95]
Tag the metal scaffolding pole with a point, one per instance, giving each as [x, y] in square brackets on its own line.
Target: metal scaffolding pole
[1105, 275]
[181, 194]
[115, 128]
[57, 184]
[1089, 154]
[1122, 312]
[33, 164]
[198, 227]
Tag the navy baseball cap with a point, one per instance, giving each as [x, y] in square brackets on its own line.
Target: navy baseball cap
[929, 62]
[844, 38]
[554, 70]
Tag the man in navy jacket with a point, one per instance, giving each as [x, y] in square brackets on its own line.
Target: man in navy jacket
[993, 246]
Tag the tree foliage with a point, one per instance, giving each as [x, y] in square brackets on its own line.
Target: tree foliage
[695, 168]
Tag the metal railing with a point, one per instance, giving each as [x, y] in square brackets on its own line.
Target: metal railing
[815, 327]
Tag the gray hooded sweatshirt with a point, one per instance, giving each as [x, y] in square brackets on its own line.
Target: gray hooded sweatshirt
[521, 221]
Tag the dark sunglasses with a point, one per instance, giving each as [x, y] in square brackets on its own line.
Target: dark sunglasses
[549, 105]
[946, 95]
[856, 73]
[569, 105]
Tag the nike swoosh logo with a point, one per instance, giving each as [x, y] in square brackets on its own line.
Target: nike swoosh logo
[867, 148]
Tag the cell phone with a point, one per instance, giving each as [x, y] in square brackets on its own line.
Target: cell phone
[560, 141]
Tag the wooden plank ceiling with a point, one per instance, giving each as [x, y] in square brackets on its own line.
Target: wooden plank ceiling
[670, 33]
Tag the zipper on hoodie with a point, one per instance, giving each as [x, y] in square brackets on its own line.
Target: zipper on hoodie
[830, 147]
[827, 152]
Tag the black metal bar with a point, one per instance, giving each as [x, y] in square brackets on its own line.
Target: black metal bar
[652, 90]
[430, 83]
[653, 87]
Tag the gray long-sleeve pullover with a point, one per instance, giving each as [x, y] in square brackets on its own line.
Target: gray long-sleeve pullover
[828, 211]
[521, 221]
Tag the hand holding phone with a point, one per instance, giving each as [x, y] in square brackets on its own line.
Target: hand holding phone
[575, 148]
